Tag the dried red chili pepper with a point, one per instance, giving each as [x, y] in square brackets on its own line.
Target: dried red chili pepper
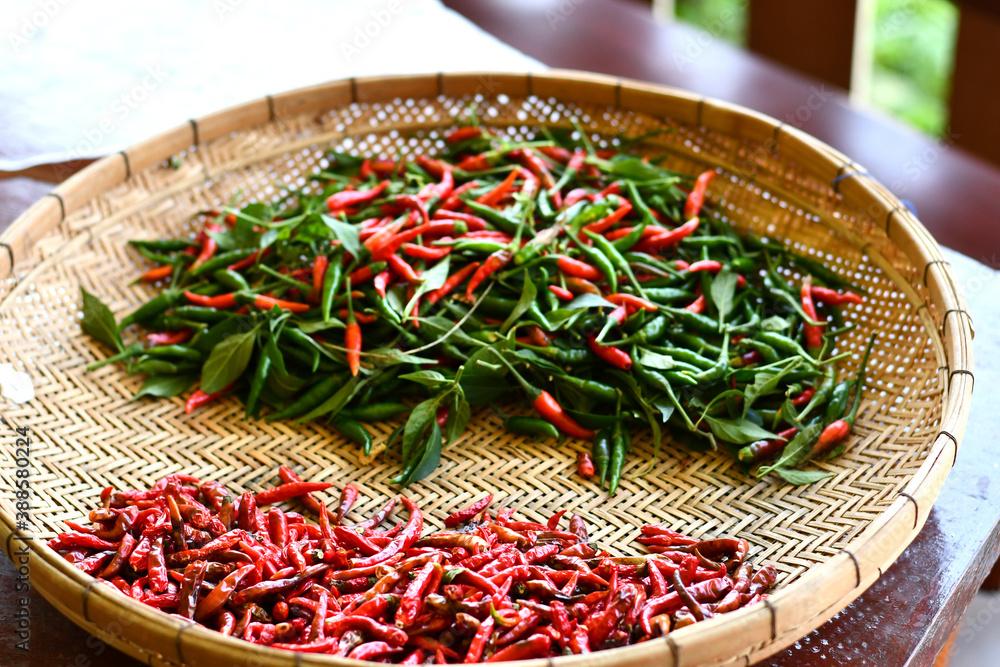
[469, 512]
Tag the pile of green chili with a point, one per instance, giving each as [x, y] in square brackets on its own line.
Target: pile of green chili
[593, 283]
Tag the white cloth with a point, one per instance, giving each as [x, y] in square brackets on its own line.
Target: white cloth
[83, 78]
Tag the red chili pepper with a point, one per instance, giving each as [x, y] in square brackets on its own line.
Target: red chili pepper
[250, 260]
[834, 298]
[347, 497]
[290, 490]
[561, 292]
[352, 341]
[813, 333]
[159, 273]
[574, 267]
[208, 247]
[574, 196]
[347, 198]
[463, 134]
[611, 220]
[493, 263]
[473, 223]
[372, 650]
[424, 252]
[412, 601]
[496, 194]
[405, 539]
[534, 647]
[536, 166]
[200, 398]
[584, 465]
[478, 643]
[400, 267]
[655, 243]
[319, 267]
[709, 265]
[365, 273]
[172, 338]
[474, 163]
[581, 286]
[622, 299]
[615, 356]
[453, 281]
[552, 412]
[220, 301]
[698, 305]
[696, 199]
[267, 303]
[416, 204]
[435, 168]
[468, 513]
[804, 397]
[381, 282]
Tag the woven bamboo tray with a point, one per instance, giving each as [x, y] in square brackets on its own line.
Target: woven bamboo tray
[830, 541]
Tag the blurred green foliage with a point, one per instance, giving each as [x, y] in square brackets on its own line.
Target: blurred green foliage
[913, 52]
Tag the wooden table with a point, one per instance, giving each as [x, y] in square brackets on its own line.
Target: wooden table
[906, 617]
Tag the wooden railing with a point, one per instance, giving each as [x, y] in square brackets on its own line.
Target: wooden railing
[831, 41]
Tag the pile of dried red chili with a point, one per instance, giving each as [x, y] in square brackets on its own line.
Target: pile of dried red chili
[488, 588]
[593, 285]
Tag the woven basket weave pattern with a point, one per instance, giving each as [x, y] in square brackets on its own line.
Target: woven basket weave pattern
[88, 433]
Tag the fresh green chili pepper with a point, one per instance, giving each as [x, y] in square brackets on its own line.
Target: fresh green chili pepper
[175, 352]
[312, 398]
[592, 388]
[355, 432]
[202, 314]
[223, 260]
[601, 451]
[260, 374]
[231, 279]
[531, 426]
[617, 462]
[151, 308]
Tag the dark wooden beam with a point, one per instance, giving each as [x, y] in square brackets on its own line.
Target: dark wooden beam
[975, 96]
[814, 38]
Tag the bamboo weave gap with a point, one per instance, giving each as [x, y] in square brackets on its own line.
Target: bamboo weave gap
[829, 541]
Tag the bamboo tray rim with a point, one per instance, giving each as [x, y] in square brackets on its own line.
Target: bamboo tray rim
[789, 613]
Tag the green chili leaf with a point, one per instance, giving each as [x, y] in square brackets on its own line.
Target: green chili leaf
[335, 403]
[433, 279]
[484, 382]
[420, 418]
[431, 379]
[651, 359]
[227, 361]
[801, 477]
[722, 291]
[765, 383]
[458, 418]
[663, 404]
[588, 301]
[165, 386]
[775, 323]
[528, 294]
[98, 322]
[431, 455]
[347, 234]
[738, 431]
[796, 451]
